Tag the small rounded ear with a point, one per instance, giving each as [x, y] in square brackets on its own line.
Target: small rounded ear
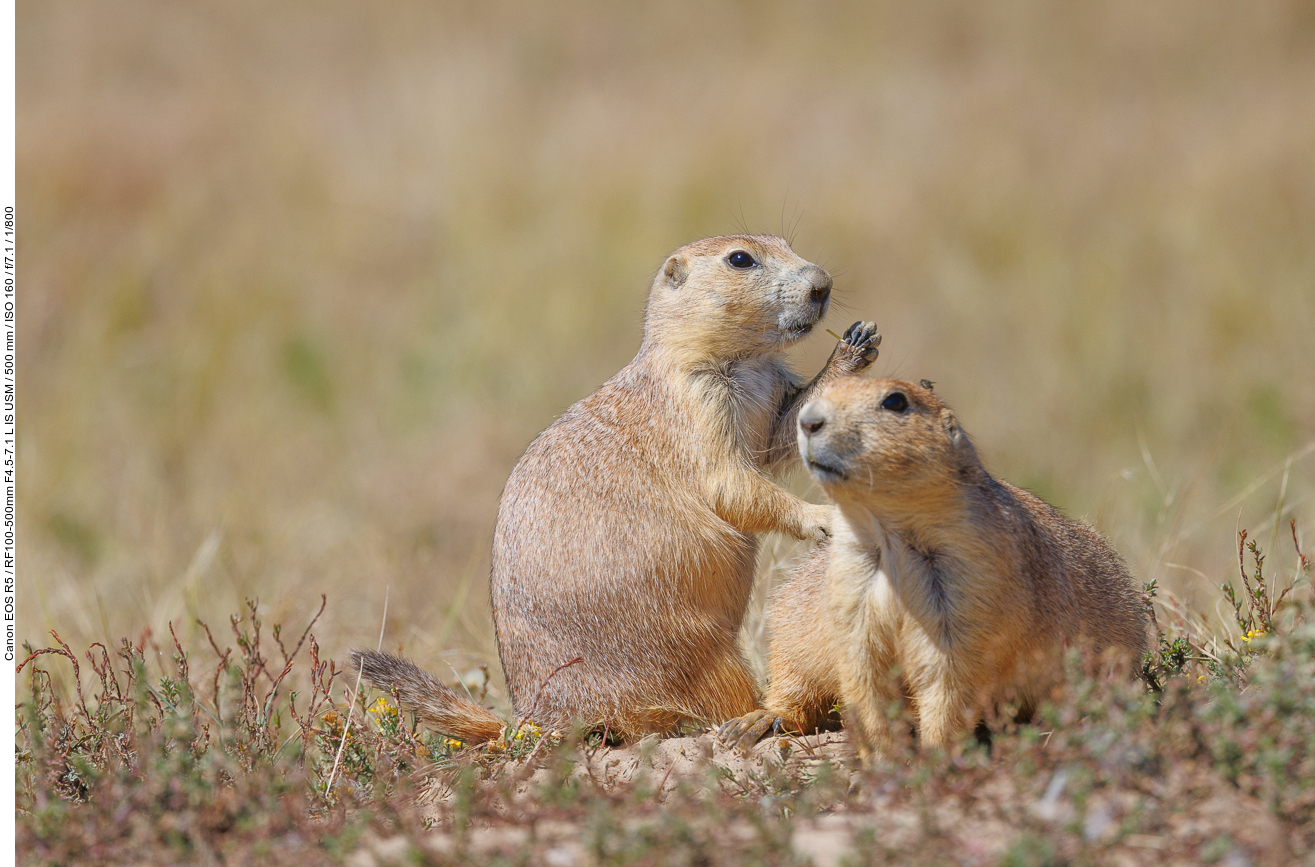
[952, 429]
[674, 272]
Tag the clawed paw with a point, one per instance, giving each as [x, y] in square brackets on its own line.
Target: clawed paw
[743, 732]
[862, 338]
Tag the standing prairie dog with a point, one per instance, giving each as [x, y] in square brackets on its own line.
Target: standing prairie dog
[624, 550]
[941, 587]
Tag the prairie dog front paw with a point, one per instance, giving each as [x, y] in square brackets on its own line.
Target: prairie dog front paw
[816, 523]
[860, 342]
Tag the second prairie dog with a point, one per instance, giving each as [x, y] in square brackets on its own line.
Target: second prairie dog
[623, 556]
[941, 587]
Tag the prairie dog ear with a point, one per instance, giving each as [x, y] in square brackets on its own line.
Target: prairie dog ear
[675, 272]
[952, 429]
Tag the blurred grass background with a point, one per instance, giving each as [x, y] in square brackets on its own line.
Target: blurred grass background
[300, 280]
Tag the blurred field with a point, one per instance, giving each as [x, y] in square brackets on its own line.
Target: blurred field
[300, 281]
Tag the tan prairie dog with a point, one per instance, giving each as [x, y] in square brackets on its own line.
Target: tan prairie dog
[623, 556]
[941, 587]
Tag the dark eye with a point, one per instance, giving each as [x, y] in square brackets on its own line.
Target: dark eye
[740, 259]
[895, 402]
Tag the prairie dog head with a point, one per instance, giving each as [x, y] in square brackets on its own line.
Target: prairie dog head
[734, 297]
[886, 443]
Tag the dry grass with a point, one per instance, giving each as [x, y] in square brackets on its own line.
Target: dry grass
[256, 763]
[300, 281]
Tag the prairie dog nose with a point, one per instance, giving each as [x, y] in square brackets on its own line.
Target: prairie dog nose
[820, 284]
[812, 418]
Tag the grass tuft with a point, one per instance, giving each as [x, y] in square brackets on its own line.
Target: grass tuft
[223, 752]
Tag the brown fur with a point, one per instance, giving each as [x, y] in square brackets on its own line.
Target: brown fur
[439, 706]
[942, 587]
[626, 533]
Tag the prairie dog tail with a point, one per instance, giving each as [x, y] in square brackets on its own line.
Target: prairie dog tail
[437, 704]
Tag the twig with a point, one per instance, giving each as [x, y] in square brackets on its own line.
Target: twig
[34, 654]
[658, 793]
[77, 674]
[1302, 563]
[219, 670]
[182, 657]
[527, 766]
[287, 657]
[602, 744]
[105, 671]
[347, 722]
[1241, 560]
[535, 704]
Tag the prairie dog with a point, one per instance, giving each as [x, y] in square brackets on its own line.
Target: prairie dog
[941, 587]
[623, 554]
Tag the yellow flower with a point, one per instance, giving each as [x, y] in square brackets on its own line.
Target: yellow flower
[453, 745]
[334, 722]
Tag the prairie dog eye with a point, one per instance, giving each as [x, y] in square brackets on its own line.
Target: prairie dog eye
[740, 260]
[895, 402]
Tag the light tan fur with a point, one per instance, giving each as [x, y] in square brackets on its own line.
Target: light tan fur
[624, 550]
[942, 588]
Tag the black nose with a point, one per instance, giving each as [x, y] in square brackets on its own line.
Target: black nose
[811, 418]
[821, 285]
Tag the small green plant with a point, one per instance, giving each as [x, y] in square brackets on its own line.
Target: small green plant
[1170, 656]
[1255, 610]
[201, 767]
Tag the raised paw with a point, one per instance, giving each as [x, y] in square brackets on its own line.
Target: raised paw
[816, 523]
[743, 732]
[862, 340]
